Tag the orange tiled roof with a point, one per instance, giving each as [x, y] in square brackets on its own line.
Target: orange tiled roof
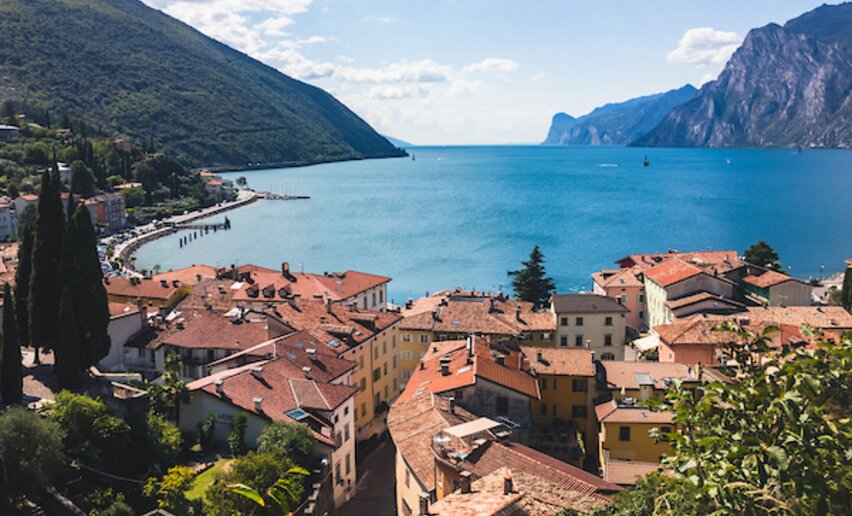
[768, 279]
[681, 302]
[672, 271]
[561, 361]
[623, 374]
[215, 293]
[722, 261]
[701, 331]
[214, 331]
[610, 412]
[188, 275]
[335, 286]
[824, 317]
[145, 288]
[117, 310]
[627, 472]
[625, 278]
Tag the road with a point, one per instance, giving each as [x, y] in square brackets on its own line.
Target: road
[376, 492]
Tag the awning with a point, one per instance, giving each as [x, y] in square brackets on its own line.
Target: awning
[472, 427]
[646, 343]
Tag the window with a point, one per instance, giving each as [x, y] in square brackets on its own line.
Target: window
[666, 429]
[363, 409]
[546, 336]
[554, 384]
[407, 355]
[338, 440]
[641, 314]
[543, 409]
[544, 384]
[406, 337]
[424, 339]
[624, 433]
[385, 368]
[381, 296]
[364, 302]
[407, 478]
[641, 298]
[579, 411]
[607, 340]
[361, 362]
[394, 361]
[377, 373]
[579, 321]
[554, 409]
[363, 384]
[377, 400]
[346, 435]
[374, 299]
[393, 341]
[578, 341]
[348, 464]
[458, 395]
[337, 476]
[563, 321]
[386, 392]
[563, 341]
[384, 347]
[608, 321]
[345, 411]
[502, 406]
[580, 385]
[607, 356]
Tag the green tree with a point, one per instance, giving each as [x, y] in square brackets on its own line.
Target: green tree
[292, 440]
[531, 283]
[170, 491]
[82, 179]
[206, 431]
[764, 255]
[22, 283]
[242, 181]
[31, 448]
[846, 292]
[774, 440]
[285, 493]
[173, 390]
[37, 153]
[237, 437]
[106, 502]
[257, 472]
[11, 380]
[48, 230]
[76, 414]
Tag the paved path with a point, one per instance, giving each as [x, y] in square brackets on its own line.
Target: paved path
[376, 492]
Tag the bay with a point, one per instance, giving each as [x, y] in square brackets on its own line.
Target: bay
[463, 216]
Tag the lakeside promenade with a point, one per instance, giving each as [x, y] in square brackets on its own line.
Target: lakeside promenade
[151, 232]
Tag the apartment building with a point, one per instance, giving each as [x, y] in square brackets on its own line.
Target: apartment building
[590, 321]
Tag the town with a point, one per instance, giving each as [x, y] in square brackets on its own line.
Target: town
[466, 402]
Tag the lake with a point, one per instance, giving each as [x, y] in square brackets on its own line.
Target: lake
[463, 216]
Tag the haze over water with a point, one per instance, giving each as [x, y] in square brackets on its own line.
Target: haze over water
[463, 216]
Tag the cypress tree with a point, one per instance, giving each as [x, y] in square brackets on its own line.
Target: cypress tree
[67, 351]
[530, 283]
[48, 229]
[22, 284]
[846, 292]
[11, 379]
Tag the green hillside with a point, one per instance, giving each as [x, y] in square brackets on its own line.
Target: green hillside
[133, 70]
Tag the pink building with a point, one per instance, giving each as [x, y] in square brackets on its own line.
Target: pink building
[626, 286]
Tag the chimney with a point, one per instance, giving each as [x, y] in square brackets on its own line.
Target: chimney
[445, 366]
[175, 283]
[257, 372]
[285, 269]
[307, 371]
[464, 481]
[593, 357]
[452, 403]
[312, 353]
[164, 283]
[469, 346]
[258, 404]
[518, 313]
[424, 503]
[328, 305]
[220, 386]
[500, 358]
[539, 357]
[507, 483]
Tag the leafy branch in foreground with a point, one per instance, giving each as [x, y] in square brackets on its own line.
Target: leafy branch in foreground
[776, 439]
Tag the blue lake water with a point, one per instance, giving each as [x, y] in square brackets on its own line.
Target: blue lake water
[463, 216]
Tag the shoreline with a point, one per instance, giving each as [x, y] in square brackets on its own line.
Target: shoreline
[127, 249]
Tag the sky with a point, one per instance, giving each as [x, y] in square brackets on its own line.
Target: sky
[458, 72]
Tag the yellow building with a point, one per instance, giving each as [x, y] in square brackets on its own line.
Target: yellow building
[160, 294]
[624, 433]
[458, 314]
[566, 379]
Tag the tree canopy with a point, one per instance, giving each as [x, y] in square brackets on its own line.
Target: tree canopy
[11, 381]
[764, 255]
[292, 440]
[531, 283]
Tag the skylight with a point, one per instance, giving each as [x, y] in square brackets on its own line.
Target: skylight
[297, 414]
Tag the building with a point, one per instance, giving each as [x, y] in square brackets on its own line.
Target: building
[772, 288]
[277, 390]
[487, 377]
[160, 295]
[641, 380]
[219, 188]
[503, 477]
[9, 133]
[259, 287]
[590, 321]
[627, 286]
[697, 341]
[126, 321]
[454, 315]
[8, 219]
[625, 435]
[832, 321]
[188, 277]
[109, 211]
[675, 279]
[566, 378]
[701, 303]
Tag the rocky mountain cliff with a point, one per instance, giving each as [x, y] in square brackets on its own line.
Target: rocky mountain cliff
[785, 86]
[618, 123]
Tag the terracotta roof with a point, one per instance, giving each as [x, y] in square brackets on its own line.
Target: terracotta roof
[610, 412]
[631, 375]
[546, 477]
[216, 293]
[335, 286]
[465, 312]
[672, 271]
[282, 387]
[463, 371]
[118, 310]
[692, 299]
[768, 279]
[561, 361]
[702, 331]
[214, 331]
[188, 275]
[627, 472]
[414, 423]
[328, 322]
[824, 317]
[586, 303]
[722, 261]
[627, 277]
[485, 499]
[145, 288]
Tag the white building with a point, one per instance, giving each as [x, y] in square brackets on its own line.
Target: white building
[8, 219]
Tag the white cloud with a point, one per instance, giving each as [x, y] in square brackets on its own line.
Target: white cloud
[425, 70]
[379, 19]
[275, 26]
[492, 64]
[537, 77]
[704, 46]
[396, 92]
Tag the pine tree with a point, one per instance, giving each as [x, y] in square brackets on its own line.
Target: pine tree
[67, 351]
[11, 380]
[48, 229]
[22, 284]
[530, 283]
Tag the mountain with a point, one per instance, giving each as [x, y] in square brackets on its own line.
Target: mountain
[133, 70]
[396, 142]
[616, 124]
[785, 86]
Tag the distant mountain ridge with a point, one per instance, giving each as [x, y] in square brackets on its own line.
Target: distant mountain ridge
[785, 86]
[396, 142]
[617, 123]
[132, 70]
